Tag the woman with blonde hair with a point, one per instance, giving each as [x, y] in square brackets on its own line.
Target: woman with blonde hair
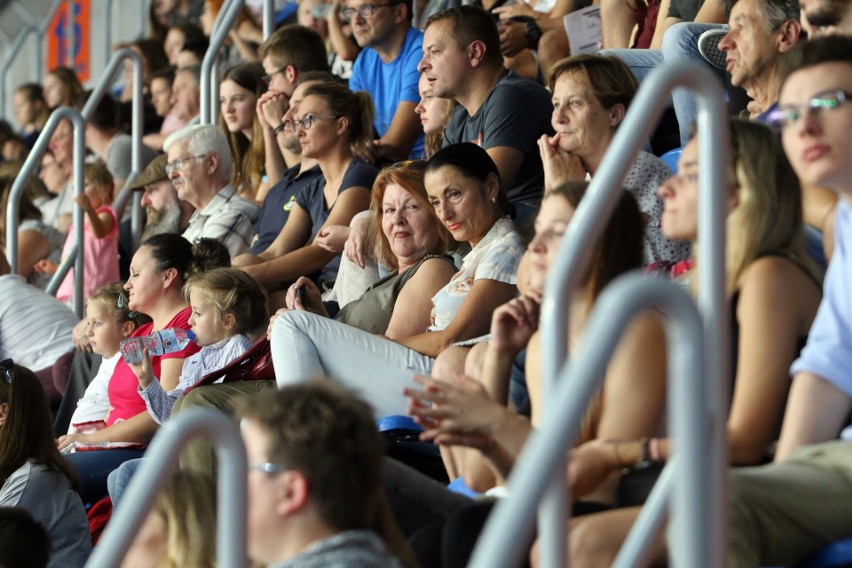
[774, 290]
[180, 529]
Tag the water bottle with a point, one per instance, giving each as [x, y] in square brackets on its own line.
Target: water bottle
[158, 343]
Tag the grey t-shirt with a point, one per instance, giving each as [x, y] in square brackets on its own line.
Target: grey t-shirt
[515, 114]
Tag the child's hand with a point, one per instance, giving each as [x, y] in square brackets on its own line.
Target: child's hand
[144, 371]
[46, 266]
[84, 202]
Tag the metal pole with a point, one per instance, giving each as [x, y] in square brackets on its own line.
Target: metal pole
[586, 227]
[108, 27]
[160, 460]
[224, 21]
[29, 167]
[577, 383]
[268, 18]
[9, 59]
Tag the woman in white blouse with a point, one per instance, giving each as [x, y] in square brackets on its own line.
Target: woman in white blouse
[464, 187]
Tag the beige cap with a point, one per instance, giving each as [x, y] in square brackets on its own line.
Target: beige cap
[155, 171]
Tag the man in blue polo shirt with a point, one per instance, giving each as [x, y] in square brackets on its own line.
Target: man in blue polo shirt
[387, 69]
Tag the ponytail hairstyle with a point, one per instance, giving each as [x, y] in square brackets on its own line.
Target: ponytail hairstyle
[232, 291]
[170, 250]
[357, 107]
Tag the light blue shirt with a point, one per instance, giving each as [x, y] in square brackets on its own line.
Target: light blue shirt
[391, 83]
[210, 358]
[828, 352]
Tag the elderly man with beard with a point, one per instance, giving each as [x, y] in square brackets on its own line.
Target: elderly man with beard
[165, 213]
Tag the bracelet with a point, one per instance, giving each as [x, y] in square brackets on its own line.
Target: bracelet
[280, 128]
[644, 460]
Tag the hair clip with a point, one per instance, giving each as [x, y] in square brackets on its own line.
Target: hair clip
[121, 302]
[132, 314]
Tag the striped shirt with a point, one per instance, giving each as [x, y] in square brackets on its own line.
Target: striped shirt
[210, 358]
[228, 218]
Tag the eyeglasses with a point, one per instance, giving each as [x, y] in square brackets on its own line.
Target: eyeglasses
[7, 367]
[308, 120]
[267, 467]
[267, 79]
[181, 163]
[788, 115]
[364, 10]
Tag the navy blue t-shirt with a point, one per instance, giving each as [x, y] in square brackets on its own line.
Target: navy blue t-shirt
[278, 203]
[311, 199]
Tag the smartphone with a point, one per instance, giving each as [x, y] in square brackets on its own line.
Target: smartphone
[300, 294]
[320, 11]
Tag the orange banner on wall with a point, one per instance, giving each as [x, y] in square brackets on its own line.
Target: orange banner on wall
[57, 43]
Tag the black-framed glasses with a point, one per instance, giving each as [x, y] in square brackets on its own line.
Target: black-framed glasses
[267, 79]
[364, 10]
[181, 163]
[308, 120]
[788, 115]
[7, 368]
[268, 468]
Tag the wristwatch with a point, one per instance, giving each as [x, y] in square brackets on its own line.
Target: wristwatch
[533, 32]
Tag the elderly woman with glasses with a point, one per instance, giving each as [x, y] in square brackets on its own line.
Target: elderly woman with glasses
[332, 120]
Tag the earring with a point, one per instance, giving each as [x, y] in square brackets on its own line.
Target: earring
[493, 200]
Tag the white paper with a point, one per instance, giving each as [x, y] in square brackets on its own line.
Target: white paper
[584, 29]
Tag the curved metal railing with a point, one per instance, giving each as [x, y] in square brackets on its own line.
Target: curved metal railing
[9, 59]
[160, 460]
[30, 165]
[573, 259]
[209, 88]
[566, 404]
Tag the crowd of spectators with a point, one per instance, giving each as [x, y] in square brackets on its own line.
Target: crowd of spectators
[377, 207]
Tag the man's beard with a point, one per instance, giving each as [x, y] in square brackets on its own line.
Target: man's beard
[166, 220]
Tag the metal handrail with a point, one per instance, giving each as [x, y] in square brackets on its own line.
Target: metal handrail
[9, 59]
[136, 129]
[566, 403]
[160, 460]
[268, 18]
[210, 89]
[108, 27]
[573, 259]
[107, 79]
[30, 164]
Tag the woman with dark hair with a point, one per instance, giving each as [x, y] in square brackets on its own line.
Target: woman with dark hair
[158, 272]
[33, 474]
[31, 111]
[61, 87]
[463, 185]
[241, 86]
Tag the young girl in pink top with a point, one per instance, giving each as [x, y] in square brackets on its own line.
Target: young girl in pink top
[100, 240]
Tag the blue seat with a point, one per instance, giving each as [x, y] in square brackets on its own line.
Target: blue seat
[397, 422]
[835, 554]
[671, 157]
